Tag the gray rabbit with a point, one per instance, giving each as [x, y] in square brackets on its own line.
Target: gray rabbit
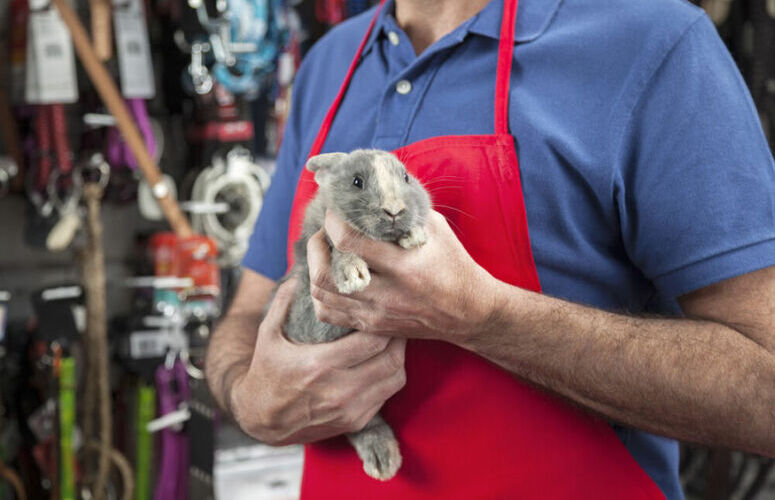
[371, 190]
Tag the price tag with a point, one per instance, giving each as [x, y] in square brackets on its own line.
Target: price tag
[134, 50]
[51, 76]
[155, 343]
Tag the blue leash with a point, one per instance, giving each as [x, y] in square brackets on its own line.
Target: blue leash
[260, 22]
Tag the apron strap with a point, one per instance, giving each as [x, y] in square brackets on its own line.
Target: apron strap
[317, 146]
[505, 57]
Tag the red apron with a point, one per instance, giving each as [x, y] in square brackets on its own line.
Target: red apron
[468, 429]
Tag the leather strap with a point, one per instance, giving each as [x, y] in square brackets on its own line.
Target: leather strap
[43, 140]
[101, 28]
[52, 142]
[64, 155]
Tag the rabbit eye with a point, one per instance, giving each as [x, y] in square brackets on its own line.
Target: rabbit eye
[358, 182]
[406, 177]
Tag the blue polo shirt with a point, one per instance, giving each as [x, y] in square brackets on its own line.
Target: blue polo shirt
[645, 171]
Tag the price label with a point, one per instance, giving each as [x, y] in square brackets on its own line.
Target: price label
[155, 343]
[51, 76]
[134, 51]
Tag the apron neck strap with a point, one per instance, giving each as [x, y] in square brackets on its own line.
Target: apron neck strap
[505, 58]
[317, 146]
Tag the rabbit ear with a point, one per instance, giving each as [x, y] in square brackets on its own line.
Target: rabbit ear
[324, 161]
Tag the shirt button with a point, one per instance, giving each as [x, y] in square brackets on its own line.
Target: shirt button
[393, 37]
[403, 87]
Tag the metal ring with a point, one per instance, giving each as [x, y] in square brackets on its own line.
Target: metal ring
[53, 191]
[97, 164]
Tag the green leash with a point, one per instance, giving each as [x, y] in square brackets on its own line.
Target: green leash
[66, 428]
[146, 411]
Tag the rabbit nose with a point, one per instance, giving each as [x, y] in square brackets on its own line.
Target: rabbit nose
[392, 213]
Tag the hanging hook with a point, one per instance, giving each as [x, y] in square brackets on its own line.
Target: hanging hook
[169, 359]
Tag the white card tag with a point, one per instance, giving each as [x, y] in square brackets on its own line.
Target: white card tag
[155, 343]
[51, 76]
[134, 50]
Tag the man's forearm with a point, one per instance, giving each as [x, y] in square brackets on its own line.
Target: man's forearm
[229, 354]
[231, 346]
[693, 380]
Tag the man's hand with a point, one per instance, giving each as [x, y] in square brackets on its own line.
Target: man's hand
[435, 291]
[298, 393]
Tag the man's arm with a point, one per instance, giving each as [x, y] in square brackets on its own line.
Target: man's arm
[708, 379]
[231, 345]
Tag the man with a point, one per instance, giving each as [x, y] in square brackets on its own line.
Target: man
[648, 188]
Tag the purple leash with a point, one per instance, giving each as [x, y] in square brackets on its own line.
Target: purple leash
[173, 389]
[117, 153]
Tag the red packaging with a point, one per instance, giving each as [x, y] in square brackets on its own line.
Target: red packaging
[196, 256]
[164, 248]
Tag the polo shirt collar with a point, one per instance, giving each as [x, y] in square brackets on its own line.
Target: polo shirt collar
[533, 18]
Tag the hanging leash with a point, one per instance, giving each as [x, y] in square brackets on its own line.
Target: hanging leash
[53, 382]
[53, 186]
[246, 42]
[173, 394]
[43, 135]
[59, 137]
[97, 354]
[64, 367]
[146, 410]
[110, 95]
[96, 331]
[117, 152]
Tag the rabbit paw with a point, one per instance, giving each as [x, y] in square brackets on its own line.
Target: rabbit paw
[381, 458]
[351, 275]
[414, 238]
